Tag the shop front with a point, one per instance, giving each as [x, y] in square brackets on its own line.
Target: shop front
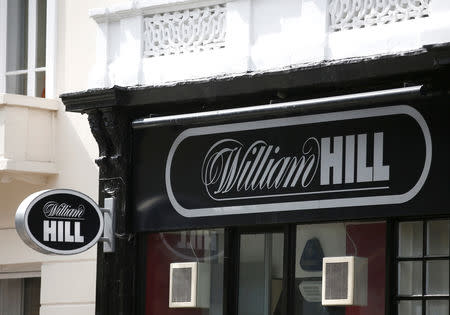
[283, 193]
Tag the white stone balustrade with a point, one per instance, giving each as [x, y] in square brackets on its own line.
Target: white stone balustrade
[351, 14]
[158, 42]
[185, 31]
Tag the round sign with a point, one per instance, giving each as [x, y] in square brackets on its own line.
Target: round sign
[59, 221]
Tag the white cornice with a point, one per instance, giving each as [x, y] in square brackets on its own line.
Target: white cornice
[146, 7]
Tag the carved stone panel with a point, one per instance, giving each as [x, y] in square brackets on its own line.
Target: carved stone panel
[353, 14]
[185, 31]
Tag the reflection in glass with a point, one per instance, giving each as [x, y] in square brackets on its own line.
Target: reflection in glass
[437, 307]
[410, 278]
[410, 239]
[205, 246]
[410, 308]
[41, 33]
[316, 241]
[11, 293]
[438, 237]
[16, 84]
[31, 296]
[40, 84]
[17, 35]
[260, 274]
[437, 277]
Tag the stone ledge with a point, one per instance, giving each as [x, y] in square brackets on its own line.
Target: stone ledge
[28, 101]
[27, 138]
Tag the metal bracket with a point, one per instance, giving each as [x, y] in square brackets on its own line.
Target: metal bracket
[109, 225]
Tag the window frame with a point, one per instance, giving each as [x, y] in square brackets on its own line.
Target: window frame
[50, 58]
[232, 253]
[231, 291]
[424, 258]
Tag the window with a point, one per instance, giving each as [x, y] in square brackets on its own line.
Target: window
[423, 268]
[26, 47]
[274, 270]
[20, 296]
[205, 247]
[261, 276]
[316, 241]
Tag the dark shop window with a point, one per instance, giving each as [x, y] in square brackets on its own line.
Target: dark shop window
[184, 273]
[423, 267]
[267, 271]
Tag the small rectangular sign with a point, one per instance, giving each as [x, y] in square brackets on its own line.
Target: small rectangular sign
[283, 169]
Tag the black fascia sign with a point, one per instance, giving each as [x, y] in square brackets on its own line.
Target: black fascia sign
[59, 221]
[318, 161]
[379, 161]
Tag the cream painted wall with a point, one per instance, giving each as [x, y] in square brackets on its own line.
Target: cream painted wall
[74, 154]
[16, 252]
[70, 289]
[11, 194]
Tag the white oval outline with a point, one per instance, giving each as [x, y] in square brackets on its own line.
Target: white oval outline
[311, 204]
[21, 220]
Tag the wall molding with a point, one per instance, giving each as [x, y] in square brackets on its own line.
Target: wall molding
[147, 7]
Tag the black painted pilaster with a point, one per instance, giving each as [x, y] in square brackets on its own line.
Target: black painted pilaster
[115, 271]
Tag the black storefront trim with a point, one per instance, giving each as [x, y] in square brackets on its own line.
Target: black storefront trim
[288, 108]
[423, 66]
[111, 111]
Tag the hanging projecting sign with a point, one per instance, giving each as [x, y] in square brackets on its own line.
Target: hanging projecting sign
[59, 221]
[366, 157]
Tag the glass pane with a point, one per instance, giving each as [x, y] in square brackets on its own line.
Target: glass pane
[41, 33]
[261, 274]
[11, 296]
[438, 236]
[31, 296]
[16, 84]
[316, 241]
[40, 84]
[437, 277]
[410, 239]
[205, 246]
[369, 240]
[17, 35]
[437, 307]
[410, 308]
[410, 278]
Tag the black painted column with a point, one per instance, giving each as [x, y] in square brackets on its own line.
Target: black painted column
[115, 271]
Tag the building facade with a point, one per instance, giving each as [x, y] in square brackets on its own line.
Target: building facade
[46, 48]
[259, 151]
[241, 76]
